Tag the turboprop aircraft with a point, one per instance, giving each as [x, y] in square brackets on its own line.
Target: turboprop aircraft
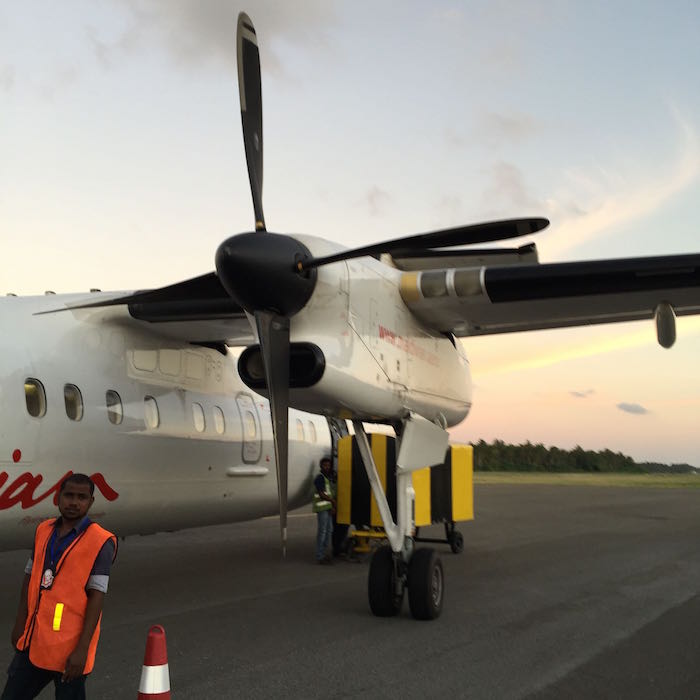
[366, 334]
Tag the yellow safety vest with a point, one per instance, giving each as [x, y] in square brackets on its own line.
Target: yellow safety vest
[56, 615]
[318, 504]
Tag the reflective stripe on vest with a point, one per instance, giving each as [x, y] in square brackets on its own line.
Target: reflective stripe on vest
[318, 504]
[56, 615]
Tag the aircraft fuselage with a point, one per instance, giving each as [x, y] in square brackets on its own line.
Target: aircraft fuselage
[187, 443]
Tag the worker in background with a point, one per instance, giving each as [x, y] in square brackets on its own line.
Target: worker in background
[58, 619]
[323, 505]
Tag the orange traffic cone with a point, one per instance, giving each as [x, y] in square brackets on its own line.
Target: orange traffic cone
[155, 676]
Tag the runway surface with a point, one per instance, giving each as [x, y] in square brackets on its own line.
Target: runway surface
[561, 591]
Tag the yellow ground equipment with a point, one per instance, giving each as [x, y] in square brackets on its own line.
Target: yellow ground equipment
[444, 493]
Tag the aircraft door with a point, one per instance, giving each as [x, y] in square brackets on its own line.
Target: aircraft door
[252, 433]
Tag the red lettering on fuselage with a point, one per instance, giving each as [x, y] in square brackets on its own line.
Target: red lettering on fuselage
[23, 489]
[103, 487]
[408, 345]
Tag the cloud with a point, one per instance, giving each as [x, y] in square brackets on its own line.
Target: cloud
[454, 139]
[582, 394]
[507, 188]
[450, 207]
[634, 408]
[63, 76]
[376, 199]
[615, 200]
[496, 129]
[107, 51]
[195, 32]
[7, 78]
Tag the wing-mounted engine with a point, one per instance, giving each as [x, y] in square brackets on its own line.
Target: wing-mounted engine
[490, 299]
[357, 351]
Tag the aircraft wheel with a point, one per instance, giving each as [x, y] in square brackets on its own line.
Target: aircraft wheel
[381, 588]
[456, 542]
[426, 584]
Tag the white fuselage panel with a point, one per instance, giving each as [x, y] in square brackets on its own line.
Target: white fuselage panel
[193, 445]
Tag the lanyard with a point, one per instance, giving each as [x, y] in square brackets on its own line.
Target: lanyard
[68, 538]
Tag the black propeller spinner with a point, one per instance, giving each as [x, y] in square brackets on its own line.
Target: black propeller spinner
[273, 276]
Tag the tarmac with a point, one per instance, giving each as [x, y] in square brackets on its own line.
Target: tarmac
[560, 592]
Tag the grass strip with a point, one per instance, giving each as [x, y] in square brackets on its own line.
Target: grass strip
[657, 481]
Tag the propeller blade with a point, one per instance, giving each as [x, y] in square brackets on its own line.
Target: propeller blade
[273, 331]
[250, 92]
[462, 235]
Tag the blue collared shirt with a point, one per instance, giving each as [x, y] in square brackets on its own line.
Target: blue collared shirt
[99, 576]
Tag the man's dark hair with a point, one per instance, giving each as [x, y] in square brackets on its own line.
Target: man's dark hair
[78, 479]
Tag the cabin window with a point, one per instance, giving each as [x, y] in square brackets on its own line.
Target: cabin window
[115, 411]
[219, 421]
[73, 400]
[312, 432]
[150, 411]
[198, 417]
[35, 397]
[300, 431]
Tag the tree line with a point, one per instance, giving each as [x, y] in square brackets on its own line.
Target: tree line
[499, 456]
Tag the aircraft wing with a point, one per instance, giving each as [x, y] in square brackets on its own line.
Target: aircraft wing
[198, 310]
[507, 298]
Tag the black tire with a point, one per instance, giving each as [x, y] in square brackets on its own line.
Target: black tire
[383, 601]
[426, 584]
[457, 542]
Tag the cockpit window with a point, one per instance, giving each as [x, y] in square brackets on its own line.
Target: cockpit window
[35, 397]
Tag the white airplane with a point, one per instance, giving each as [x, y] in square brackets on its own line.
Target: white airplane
[142, 389]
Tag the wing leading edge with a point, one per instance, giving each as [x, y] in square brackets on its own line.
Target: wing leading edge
[503, 299]
[198, 310]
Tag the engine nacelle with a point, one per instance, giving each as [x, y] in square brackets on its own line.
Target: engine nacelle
[356, 351]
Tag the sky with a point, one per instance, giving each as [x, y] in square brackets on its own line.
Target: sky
[122, 165]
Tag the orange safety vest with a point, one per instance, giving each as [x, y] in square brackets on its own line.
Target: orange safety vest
[56, 615]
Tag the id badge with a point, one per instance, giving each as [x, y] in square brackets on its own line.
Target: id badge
[47, 579]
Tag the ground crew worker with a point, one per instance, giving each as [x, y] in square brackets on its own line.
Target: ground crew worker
[58, 619]
[323, 505]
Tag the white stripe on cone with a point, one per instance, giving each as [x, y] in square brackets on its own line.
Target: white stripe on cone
[154, 679]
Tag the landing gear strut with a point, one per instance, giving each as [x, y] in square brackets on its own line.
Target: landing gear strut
[399, 566]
